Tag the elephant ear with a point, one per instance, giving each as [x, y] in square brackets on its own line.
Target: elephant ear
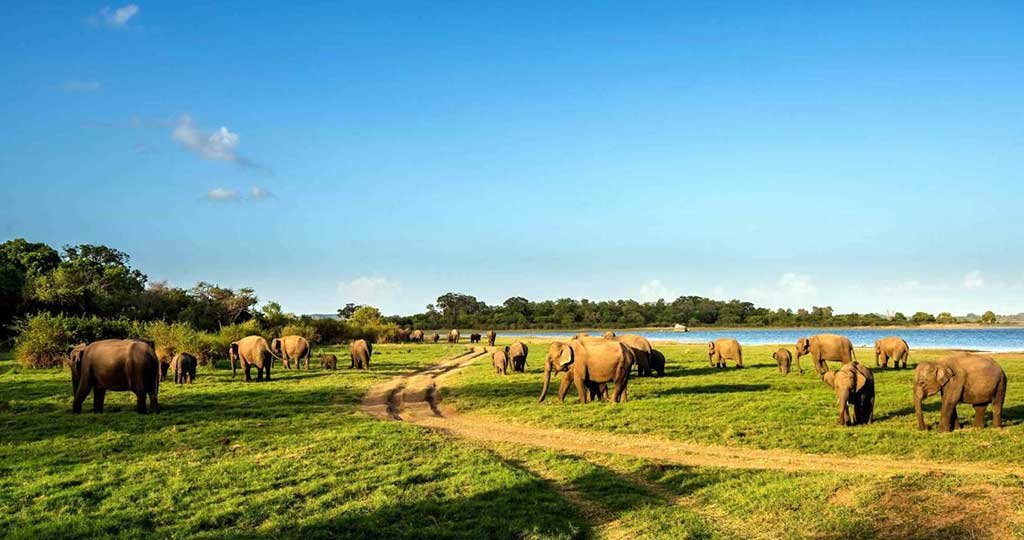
[829, 378]
[711, 345]
[567, 357]
[943, 374]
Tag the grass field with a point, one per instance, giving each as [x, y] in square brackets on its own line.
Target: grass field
[295, 458]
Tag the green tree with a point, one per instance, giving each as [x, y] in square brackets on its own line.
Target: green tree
[91, 280]
[945, 318]
[899, 317]
[921, 317]
[365, 316]
[988, 317]
[215, 307]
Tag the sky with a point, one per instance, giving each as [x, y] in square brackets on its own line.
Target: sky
[866, 156]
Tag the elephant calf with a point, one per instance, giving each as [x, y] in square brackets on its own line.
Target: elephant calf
[784, 359]
[474, 338]
[328, 361]
[891, 347]
[961, 378]
[500, 361]
[517, 353]
[724, 349]
[657, 362]
[184, 365]
[855, 384]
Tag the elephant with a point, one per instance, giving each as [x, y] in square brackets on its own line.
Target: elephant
[453, 336]
[581, 335]
[724, 349]
[784, 359]
[165, 355]
[416, 336]
[595, 391]
[657, 362]
[290, 348]
[252, 351]
[402, 335]
[822, 348]
[500, 361]
[517, 352]
[361, 351]
[328, 361]
[891, 347]
[184, 368]
[491, 336]
[853, 384]
[474, 338]
[592, 363]
[118, 365]
[961, 378]
[608, 335]
[435, 338]
[641, 352]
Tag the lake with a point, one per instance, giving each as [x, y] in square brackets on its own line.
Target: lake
[981, 339]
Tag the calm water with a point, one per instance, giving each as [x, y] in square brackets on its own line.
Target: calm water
[982, 339]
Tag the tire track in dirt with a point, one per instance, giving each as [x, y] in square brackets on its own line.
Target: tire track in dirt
[414, 398]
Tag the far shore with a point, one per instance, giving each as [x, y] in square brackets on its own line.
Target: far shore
[934, 326]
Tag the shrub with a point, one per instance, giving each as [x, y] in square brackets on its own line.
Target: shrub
[235, 332]
[304, 330]
[43, 341]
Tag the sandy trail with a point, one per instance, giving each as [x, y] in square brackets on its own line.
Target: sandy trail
[414, 398]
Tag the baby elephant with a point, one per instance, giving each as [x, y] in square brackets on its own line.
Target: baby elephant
[501, 361]
[328, 361]
[724, 349]
[184, 365]
[474, 338]
[961, 378]
[854, 384]
[784, 359]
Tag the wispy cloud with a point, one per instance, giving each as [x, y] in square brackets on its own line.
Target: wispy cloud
[220, 145]
[116, 17]
[222, 195]
[654, 290]
[376, 291]
[75, 86]
[256, 192]
[974, 280]
[790, 290]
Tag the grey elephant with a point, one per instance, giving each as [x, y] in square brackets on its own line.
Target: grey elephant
[500, 361]
[657, 362]
[251, 351]
[361, 352]
[118, 365]
[894, 348]
[783, 359]
[491, 336]
[961, 378]
[824, 348]
[591, 363]
[290, 348]
[724, 349]
[854, 384]
[328, 361]
[517, 353]
[184, 365]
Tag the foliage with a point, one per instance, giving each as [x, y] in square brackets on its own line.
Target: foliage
[945, 318]
[214, 307]
[988, 317]
[43, 341]
[305, 330]
[235, 332]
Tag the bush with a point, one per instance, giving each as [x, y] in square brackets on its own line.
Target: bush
[235, 332]
[304, 330]
[43, 341]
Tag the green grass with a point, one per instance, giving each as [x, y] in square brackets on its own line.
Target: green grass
[294, 458]
[755, 406]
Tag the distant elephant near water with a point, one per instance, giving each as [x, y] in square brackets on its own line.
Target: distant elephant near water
[453, 336]
[474, 338]
[491, 336]
[724, 349]
[891, 347]
[184, 365]
[824, 348]
[292, 348]
[435, 338]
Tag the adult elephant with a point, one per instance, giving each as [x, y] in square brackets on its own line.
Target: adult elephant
[517, 353]
[853, 384]
[824, 348]
[292, 348]
[491, 336]
[115, 364]
[416, 336]
[961, 378]
[251, 351]
[891, 347]
[361, 352]
[724, 349]
[784, 359]
[641, 348]
[402, 335]
[474, 338]
[453, 336]
[581, 335]
[592, 362]
[184, 365]
[608, 335]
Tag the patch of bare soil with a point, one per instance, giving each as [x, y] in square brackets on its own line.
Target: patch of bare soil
[983, 511]
[415, 398]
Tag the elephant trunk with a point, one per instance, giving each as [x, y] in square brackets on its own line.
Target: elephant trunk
[547, 381]
[918, 398]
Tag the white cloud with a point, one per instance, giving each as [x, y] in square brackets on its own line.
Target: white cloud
[799, 285]
[81, 86]
[115, 18]
[222, 194]
[974, 280]
[221, 145]
[654, 290]
[256, 192]
[376, 291]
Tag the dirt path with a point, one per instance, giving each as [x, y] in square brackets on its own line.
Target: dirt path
[414, 398]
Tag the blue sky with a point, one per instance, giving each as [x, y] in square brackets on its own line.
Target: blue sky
[867, 157]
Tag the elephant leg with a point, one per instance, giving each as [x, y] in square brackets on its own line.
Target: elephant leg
[563, 387]
[581, 389]
[99, 395]
[140, 402]
[979, 416]
[84, 386]
[154, 403]
[947, 416]
[266, 367]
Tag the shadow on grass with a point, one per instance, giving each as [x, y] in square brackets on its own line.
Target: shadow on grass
[711, 389]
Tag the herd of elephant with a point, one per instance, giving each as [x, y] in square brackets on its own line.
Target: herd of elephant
[590, 363]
